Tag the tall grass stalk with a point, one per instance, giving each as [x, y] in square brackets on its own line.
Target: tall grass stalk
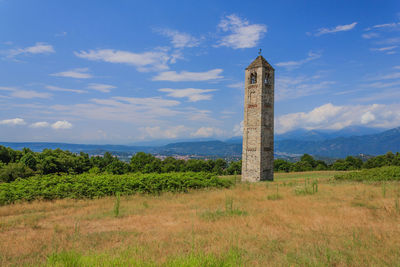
[384, 189]
[116, 204]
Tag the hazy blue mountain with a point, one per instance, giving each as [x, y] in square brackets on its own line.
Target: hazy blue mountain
[39, 146]
[205, 148]
[318, 135]
[312, 142]
[374, 144]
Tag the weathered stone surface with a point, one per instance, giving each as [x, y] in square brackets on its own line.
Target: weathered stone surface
[258, 130]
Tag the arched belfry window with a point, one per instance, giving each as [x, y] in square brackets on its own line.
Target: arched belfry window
[267, 78]
[253, 78]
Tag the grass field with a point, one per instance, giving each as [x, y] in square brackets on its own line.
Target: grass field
[294, 221]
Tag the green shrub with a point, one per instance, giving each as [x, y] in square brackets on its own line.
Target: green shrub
[389, 173]
[94, 186]
[13, 171]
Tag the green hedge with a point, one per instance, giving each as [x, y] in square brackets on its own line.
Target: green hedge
[95, 186]
[389, 173]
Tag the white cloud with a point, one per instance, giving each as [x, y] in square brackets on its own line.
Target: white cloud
[38, 48]
[12, 122]
[296, 64]
[367, 117]
[296, 87]
[146, 61]
[207, 132]
[329, 116]
[40, 124]
[187, 76]
[192, 94]
[385, 25]
[239, 85]
[238, 129]
[339, 28]
[384, 49]
[28, 94]
[370, 35]
[168, 132]
[180, 39]
[80, 73]
[59, 89]
[61, 34]
[6, 88]
[390, 76]
[104, 88]
[242, 33]
[59, 125]
[133, 112]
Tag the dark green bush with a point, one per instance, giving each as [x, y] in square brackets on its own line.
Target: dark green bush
[94, 186]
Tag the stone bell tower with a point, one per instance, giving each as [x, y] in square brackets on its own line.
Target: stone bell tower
[258, 130]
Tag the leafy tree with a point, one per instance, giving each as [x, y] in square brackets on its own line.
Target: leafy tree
[309, 159]
[118, 167]
[301, 166]
[13, 170]
[281, 165]
[29, 160]
[140, 160]
[235, 167]
[153, 167]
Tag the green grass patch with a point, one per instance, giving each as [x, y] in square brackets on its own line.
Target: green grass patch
[309, 188]
[389, 173]
[232, 257]
[229, 211]
[94, 186]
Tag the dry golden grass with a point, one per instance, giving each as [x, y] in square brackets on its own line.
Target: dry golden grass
[342, 224]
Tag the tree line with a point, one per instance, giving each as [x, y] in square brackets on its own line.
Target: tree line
[24, 163]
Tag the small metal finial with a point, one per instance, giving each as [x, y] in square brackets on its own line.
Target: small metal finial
[259, 52]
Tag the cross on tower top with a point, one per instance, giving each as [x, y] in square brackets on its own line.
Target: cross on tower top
[259, 51]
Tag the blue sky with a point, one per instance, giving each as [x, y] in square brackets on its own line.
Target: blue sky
[130, 71]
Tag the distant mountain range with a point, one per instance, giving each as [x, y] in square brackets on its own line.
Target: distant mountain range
[348, 141]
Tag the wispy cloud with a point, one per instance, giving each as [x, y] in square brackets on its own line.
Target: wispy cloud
[179, 39]
[80, 73]
[242, 34]
[156, 60]
[329, 116]
[59, 89]
[384, 26]
[192, 94]
[38, 48]
[185, 76]
[207, 132]
[13, 122]
[61, 125]
[238, 85]
[296, 64]
[40, 124]
[61, 34]
[300, 86]
[370, 35]
[104, 88]
[384, 49]
[28, 94]
[166, 132]
[339, 28]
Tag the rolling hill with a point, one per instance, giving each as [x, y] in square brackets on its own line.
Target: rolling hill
[324, 146]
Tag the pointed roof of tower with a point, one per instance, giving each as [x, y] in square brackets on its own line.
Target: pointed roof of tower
[260, 61]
